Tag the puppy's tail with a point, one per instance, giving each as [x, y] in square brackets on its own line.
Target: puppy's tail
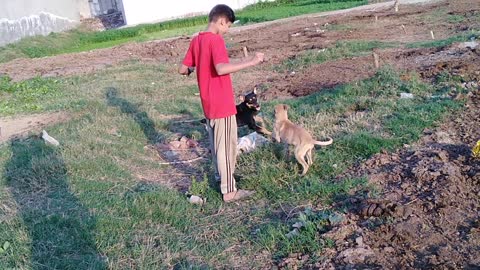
[323, 143]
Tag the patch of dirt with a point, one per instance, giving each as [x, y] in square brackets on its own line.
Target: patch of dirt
[428, 210]
[184, 162]
[11, 127]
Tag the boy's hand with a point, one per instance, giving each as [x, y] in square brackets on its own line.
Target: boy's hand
[227, 68]
[258, 58]
[185, 70]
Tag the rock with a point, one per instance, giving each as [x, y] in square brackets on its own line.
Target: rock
[48, 139]
[336, 218]
[298, 225]
[170, 154]
[443, 155]
[443, 137]
[340, 233]
[359, 241]
[470, 45]
[196, 200]
[406, 95]
[292, 233]
[355, 255]
[389, 250]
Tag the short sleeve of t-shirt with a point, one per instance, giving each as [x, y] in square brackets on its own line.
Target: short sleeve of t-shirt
[219, 51]
[189, 60]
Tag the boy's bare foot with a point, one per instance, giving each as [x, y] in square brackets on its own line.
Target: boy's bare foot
[237, 195]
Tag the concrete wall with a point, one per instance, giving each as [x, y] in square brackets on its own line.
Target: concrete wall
[21, 18]
[84, 8]
[145, 11]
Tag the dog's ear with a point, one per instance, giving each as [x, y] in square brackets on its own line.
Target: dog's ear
[286, 107]
[254, 90]
[242, 98]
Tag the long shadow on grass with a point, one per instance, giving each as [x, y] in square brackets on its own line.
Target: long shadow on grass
[59, 226]
[180, 178]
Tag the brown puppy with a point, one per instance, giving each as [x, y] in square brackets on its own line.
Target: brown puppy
[287, 132]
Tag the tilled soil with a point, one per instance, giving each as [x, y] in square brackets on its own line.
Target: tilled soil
[427, 213]
[435, 193]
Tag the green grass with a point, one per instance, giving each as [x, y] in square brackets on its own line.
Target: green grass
[342, 49]
[29, 96]
[455, 18]
[87, 205]
[78, 40]
[268, 11]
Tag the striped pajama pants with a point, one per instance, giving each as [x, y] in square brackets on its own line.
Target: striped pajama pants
[223, 137]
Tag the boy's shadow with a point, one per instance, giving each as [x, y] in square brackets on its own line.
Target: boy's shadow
[59, 226]
[180, 173]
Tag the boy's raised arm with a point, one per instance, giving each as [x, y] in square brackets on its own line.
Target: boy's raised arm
[227, 68]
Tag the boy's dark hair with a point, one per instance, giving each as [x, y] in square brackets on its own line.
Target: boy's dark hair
[221, 11]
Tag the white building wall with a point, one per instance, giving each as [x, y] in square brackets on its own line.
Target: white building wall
[146, 11]
[21, 18]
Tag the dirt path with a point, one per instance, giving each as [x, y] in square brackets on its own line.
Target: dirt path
[11, 127]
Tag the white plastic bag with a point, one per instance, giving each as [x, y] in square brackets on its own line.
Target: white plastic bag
[49, 139]
[250, 142]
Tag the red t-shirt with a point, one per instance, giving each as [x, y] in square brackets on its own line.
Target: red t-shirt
[216, 92]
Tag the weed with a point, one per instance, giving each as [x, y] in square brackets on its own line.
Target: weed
[28, 96]
[454, 18]
[199, 188]
[304, 236]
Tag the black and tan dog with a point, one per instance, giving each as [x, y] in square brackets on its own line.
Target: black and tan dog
[289, 133]
[247, 113]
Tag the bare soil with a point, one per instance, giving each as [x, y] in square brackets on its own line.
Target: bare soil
[432, 189]
[11, 127]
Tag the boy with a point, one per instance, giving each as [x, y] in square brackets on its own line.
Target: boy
[208, 54]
